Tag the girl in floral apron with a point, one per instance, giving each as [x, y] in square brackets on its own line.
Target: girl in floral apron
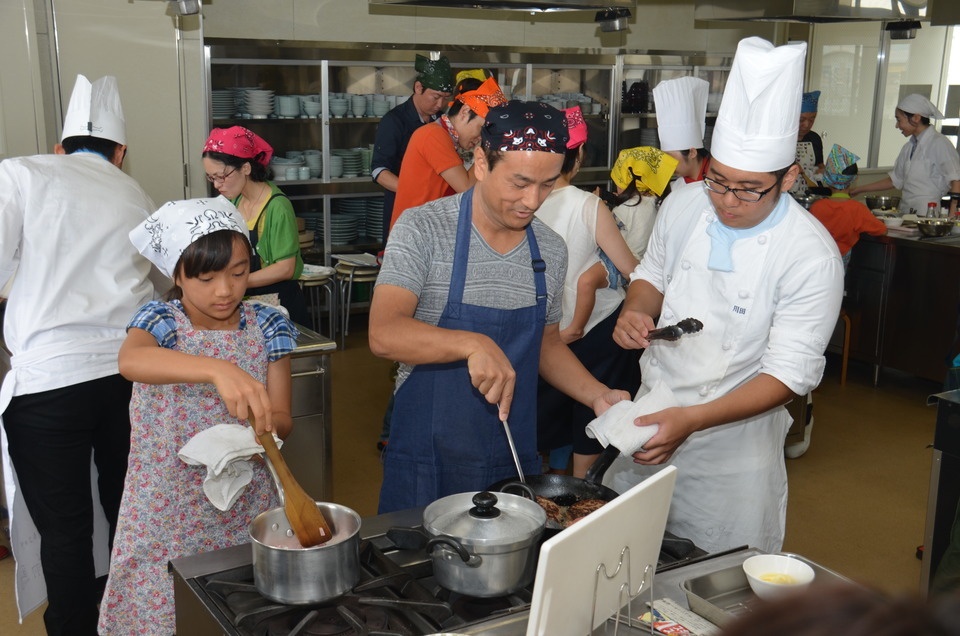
[200, 359]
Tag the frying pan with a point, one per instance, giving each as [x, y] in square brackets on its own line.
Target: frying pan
[565, 490]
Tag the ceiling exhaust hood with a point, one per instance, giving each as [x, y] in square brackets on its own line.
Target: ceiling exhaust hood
[532, 6]
[814, 10]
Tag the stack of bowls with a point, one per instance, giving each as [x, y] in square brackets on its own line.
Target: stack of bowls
[258, 103]
[281, 165]
[312, 106]
[338, 106]
[314, 161]
[358, 105]
[366, 159]
[288, 106]
[335, 169]
[380, 108]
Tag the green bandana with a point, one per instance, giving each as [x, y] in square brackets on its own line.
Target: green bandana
[435, 74]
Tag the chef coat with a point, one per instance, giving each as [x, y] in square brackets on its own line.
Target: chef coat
[773, 314]
[65, 318]
[925, 177]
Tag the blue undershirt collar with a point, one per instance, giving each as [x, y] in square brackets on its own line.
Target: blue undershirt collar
[723, 237]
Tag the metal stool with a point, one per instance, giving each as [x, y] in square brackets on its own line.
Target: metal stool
[347, 275]
[311, 289]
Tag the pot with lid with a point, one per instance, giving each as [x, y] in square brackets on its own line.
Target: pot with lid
[483, 544]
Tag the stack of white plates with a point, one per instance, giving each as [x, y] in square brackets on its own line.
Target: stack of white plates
[343, 228]
[288, 105]
[258, 103]
[314, 160]
[306, 239]
[352, 161]
[373, 221]
[312, 221]
[224, 104]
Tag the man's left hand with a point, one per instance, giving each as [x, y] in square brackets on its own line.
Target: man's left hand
[676, 425]
[605, 400]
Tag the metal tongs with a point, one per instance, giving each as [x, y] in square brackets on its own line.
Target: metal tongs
[673, 332]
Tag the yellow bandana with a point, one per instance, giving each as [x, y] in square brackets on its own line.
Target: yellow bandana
[650, 167]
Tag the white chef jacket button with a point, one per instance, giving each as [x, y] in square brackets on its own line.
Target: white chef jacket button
[711, 218]
[762, 240]
[726, 346]
[655, 362]
[744, 294]
[669, 277]
[704, 390]
[685, 265]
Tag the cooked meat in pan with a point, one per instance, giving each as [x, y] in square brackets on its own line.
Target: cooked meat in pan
[584, 507]
[551, 508]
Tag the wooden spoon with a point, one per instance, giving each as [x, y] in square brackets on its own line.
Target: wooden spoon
[305, 518]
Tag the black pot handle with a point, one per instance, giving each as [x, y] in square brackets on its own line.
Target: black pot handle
[525, 489]
[456, 546]
[408, 538]
[595, 472]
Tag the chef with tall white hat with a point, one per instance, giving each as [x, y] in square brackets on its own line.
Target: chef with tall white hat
[927, 167]
[766, 279]
[64, 220]
[681, 123]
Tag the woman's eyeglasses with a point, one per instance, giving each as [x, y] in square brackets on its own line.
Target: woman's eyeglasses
[219, 178]
[749, 196]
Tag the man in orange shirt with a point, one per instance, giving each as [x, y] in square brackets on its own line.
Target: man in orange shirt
[843, 217]
[432, 167]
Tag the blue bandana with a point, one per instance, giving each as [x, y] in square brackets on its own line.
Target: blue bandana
[809, 102]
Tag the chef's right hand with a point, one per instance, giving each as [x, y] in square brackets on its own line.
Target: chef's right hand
[492, 374]
[632, 329]
[243, 394]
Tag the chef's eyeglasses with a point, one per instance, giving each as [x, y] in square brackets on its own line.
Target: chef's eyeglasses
[749, 196]
[219, 178]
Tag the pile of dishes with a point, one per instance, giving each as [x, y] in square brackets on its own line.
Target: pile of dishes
[374, 218]
[380, 108]
[314, 161]
[224, 104]
[258, 103]
[352, 161]
[288, 106]
[338, 106]
[344, 228]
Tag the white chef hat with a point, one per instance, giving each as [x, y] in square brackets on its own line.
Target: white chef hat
[917, 104]
[759, 116]
[166, 233]
[95, 110]
[681, 112]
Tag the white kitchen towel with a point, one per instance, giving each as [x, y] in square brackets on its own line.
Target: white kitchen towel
[224, 449]
[616, 425]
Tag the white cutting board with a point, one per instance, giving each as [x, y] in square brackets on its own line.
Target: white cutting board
[563, 592]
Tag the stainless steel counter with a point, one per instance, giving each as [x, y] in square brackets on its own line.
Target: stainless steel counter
[309, 450]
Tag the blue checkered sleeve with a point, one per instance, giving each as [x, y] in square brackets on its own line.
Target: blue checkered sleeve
[157, 319]
[280, 333]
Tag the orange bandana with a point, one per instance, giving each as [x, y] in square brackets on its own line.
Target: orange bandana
[484, 98]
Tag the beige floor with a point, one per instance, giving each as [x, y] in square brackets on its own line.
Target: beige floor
[857, 498]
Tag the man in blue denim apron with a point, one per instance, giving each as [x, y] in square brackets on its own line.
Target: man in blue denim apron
[468, 300]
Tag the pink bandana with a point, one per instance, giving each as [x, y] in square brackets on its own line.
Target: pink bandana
[576, 126]
[238, 142]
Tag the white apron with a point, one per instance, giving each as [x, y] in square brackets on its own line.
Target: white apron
[717, 503]
[919, 189]
[31, 590]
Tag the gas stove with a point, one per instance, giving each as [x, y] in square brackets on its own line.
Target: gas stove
[397, 595]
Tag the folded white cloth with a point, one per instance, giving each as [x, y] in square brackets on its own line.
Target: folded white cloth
[224, 449]
[615, 427]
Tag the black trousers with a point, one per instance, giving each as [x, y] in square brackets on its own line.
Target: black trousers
[51, 437]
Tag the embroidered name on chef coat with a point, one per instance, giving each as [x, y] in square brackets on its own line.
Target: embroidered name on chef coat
[739, 310]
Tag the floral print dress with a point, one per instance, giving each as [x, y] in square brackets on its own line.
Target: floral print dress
[164, 513]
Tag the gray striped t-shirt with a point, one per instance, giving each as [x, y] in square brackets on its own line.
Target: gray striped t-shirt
[419, 257]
